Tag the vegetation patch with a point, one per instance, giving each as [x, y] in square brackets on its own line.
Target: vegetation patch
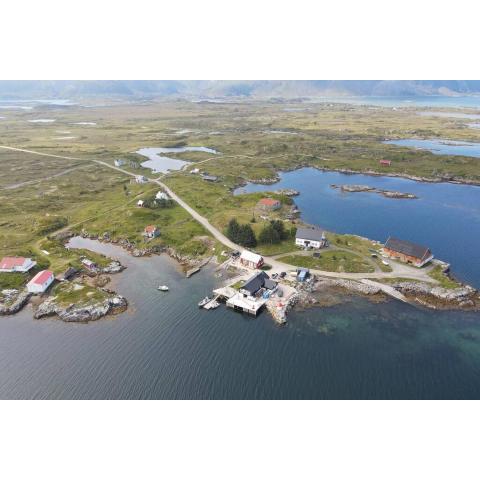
[445, 281]
[330, 261]
[79, 294]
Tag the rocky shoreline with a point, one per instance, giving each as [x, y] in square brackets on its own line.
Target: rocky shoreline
[187, 263]
[112, 304]
[441, 179]
[380, 191]
[464, 297]
[13, 301]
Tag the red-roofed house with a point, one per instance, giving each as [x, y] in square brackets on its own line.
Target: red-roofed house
[269, 204]
[151, 231]
[386, 163]
[16, 264]
[40, 282]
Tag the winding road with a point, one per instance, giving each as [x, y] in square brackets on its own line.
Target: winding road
[398, 270]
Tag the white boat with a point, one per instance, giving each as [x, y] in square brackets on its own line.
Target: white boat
[163, 288]
[204, 301]
[212, 304]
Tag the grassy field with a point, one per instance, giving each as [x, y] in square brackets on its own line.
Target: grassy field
[67, 293]
[359, 245]
[330, 261]
[445, 281]
[40, 195]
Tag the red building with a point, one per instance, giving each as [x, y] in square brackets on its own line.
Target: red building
[269, 204]
[386, 163]
[407, 252]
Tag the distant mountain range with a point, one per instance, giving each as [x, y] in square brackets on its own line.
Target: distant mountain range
[234, 88]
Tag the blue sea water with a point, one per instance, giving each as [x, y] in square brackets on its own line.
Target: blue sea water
[445, 217]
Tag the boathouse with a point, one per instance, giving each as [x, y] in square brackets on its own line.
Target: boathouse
[253, 295]
[16, 264]
[40, 282]
[251, 260]
[310, 237]
[407, 252]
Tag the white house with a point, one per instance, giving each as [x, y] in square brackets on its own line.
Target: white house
[140, 203]
[119, 162]
[195, 170]
[310, 237]
[162, 196]
[40, 282]
[16, 264]
[141, 179]
[251, 260]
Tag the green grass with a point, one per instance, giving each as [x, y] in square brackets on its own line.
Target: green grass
[238, 285]
[13, 280]
[71, 292]
[330, 261]
[329, 136]
[445, 281]
[359, 245]
[61, 258]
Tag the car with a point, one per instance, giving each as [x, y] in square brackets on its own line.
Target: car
[235, 253]
[283, 274]
[275, 275]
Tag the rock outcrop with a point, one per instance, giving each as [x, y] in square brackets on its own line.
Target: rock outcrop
[464, 297]
[82, 313]
[12, 301]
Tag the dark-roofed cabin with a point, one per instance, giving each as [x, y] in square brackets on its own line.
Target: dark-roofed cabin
[257, 282]
[407, 252]
[69, 273]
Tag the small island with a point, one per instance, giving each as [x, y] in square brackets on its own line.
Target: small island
[380, 191]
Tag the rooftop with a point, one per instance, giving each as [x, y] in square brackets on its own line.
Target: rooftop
[150, 228]
[255, 283]
[407, 248]
[11, 262]
[310, 234]
[269, 202]
[250, 256]
[41, 277]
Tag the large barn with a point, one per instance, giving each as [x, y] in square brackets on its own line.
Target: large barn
[407, 252]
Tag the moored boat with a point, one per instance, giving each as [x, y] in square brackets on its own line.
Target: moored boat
[204, 301]
[163, 288]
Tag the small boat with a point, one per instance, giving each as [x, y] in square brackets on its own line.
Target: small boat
[212, 304]
[204, 301]
[385, 262]
[163, 288]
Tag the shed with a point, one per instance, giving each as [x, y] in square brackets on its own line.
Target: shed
[151, 231]
[210, 178]
[40, 282]
[250, 259]
[302, 274]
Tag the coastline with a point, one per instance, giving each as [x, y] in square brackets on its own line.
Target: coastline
[372, 173]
